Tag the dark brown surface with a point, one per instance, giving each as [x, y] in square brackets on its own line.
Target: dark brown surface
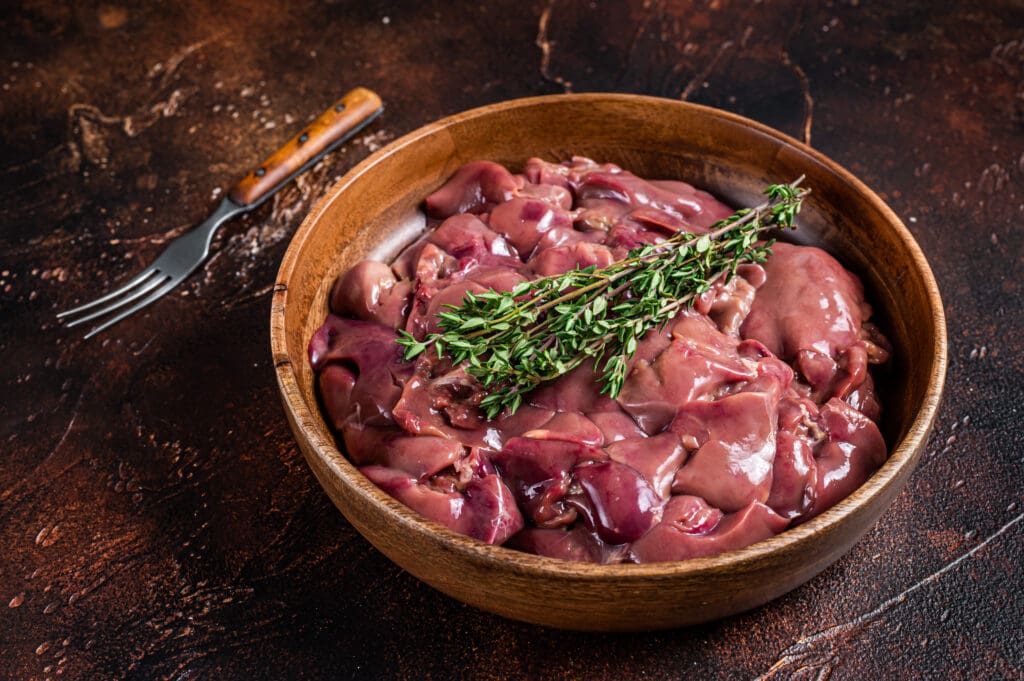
[157, 519]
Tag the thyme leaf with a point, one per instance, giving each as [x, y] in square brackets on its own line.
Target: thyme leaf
[513, 341]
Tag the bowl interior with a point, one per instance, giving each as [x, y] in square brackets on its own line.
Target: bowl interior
[375, 210]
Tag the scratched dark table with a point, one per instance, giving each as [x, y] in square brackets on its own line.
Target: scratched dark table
[156, 517]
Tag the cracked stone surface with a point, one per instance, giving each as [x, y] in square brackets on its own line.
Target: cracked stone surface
[157, 518]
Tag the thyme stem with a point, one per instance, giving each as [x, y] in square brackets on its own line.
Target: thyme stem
[597, 313]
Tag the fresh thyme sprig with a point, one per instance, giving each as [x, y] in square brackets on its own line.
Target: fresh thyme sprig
[513, 341]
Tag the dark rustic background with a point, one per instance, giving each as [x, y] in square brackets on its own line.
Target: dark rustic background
[157, 520]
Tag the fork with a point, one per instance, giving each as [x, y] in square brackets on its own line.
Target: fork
[187, 252]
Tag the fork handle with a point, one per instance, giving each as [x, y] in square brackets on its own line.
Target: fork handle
[330, 128]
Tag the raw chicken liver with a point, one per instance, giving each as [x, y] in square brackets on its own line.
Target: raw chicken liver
[753, 410]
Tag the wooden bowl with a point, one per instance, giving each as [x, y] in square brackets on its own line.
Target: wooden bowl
[375, 209]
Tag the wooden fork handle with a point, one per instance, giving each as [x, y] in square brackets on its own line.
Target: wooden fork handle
[319, 137]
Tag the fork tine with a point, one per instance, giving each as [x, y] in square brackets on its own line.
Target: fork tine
[171, 283]
[138, 279]
[134, 294]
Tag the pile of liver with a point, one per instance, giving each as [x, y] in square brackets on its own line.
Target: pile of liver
[752, 411]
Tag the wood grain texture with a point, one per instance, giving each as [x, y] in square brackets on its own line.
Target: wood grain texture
[158, 519]
[325, 132]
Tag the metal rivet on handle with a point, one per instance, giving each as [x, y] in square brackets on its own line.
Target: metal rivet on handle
[260, 172]
[303, 137]
[339, 107]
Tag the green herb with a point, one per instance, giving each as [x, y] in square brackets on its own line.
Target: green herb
[513, 341]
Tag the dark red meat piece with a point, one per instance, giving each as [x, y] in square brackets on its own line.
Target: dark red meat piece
[681, 534]
[618, 503]
[366, 367]
[474, 188]
[485, 510]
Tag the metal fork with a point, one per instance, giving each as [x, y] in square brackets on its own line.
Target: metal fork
[183, 255]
